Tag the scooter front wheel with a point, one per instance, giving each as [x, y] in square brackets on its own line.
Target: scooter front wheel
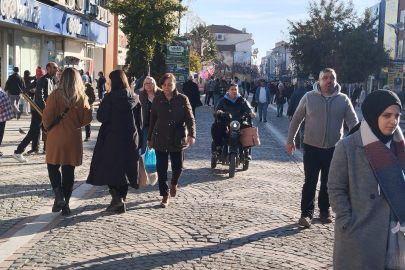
[232, 165]
[246, 165]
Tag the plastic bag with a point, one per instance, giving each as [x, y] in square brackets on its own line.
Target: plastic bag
[152, 178]
[150, 160]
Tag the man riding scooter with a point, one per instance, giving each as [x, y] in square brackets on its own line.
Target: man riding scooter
[235, 105]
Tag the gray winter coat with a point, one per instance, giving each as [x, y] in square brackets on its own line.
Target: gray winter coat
[362, 213]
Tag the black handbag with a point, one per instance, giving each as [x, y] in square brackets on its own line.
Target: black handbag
[180, 132]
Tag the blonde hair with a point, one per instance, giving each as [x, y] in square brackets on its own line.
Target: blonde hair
[71, 88]
[153, 80]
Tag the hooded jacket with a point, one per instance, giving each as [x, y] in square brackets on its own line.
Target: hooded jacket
[323, 117]
[116, 154]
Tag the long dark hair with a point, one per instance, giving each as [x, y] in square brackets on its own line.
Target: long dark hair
[27, 73]
[118, 80]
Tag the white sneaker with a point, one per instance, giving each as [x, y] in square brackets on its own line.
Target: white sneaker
[19, 157]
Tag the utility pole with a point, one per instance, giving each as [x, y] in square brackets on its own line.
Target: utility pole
[178, 33]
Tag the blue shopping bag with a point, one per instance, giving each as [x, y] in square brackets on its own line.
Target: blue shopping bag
[150, 160]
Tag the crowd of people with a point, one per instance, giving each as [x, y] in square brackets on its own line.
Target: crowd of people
[362, 175]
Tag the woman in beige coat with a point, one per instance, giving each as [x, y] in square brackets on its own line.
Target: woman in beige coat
[64, 147]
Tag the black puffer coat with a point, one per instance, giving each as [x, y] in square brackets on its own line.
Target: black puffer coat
[236, 109]
[116, 154]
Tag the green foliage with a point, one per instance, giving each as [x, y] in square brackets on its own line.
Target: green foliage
[334, 36]
[203, 43]
[146, 23]
[195, 62]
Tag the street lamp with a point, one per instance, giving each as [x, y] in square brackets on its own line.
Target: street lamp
[179, 19]
[396, 26]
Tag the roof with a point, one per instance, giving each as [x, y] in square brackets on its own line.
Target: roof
[224, 29]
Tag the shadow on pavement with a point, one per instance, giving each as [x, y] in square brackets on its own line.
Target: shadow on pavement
[151, 261]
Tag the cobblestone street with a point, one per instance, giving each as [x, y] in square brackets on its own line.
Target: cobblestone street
[247, 222]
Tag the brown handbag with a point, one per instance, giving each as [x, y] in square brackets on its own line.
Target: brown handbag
[249, 137]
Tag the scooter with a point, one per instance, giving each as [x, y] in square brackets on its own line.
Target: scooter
[232, 153]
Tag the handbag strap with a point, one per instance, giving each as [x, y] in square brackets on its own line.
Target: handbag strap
[60, 117]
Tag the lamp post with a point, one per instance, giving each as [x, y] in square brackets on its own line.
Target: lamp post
[178, 33]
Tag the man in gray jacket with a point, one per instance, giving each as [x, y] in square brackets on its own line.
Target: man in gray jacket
[324, 109]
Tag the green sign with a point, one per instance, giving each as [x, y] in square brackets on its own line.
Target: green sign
[178, 59]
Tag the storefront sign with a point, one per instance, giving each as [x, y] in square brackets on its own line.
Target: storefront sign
[29, 13]
[23, 12]
[395, 80]
[9, 70]
[74, 26]
[178, 59]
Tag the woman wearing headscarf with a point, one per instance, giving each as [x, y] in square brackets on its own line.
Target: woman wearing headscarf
[367, 189]
[116, 154]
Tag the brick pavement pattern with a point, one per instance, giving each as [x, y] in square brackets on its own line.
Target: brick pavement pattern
[247, 222]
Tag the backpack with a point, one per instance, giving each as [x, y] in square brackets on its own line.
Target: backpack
[211, 85]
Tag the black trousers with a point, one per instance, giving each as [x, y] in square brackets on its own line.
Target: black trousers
[32, 135]
[210, 95]
[100, 93]
[2, 127]
[162, 165]
[88, 130]
[64, 180]
[123, 190]
[315, 160]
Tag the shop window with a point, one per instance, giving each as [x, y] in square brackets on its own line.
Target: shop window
[10, 47]
[31, 56]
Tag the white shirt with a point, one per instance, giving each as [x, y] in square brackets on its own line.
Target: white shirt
[262, 95]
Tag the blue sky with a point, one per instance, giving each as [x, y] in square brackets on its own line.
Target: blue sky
[265, 19]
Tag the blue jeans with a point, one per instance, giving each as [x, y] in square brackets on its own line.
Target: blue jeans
[262, 108]
[145, 131]
[280, 108]
[216, 99]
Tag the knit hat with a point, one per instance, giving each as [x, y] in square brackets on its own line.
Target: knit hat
[39, 72]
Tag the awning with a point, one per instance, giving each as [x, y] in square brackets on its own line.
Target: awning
[74, 59]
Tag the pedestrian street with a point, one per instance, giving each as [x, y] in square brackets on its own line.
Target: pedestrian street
[214, 222]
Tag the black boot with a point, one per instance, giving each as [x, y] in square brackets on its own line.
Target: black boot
[116, 200]
[65, 209]
[59, 200]
[123, 192]
[56, 207]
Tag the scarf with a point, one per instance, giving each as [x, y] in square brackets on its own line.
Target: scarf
[388, 165]
[229, 98]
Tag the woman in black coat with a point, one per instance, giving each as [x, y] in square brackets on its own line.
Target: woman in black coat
[116, 154]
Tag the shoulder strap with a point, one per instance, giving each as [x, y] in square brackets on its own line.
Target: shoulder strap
[60, 117]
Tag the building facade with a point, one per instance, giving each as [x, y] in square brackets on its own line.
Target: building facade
[68, 32]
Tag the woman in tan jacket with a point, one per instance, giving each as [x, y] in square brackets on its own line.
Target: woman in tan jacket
[64, 147]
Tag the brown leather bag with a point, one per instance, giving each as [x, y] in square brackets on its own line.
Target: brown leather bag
[249, 137]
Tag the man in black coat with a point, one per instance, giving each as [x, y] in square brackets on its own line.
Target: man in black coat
[14, 86]
[273, 91]
[190, 89]
[294, 101]
[139, 82]
[288, 91]
[101, 85]
[45, 86]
